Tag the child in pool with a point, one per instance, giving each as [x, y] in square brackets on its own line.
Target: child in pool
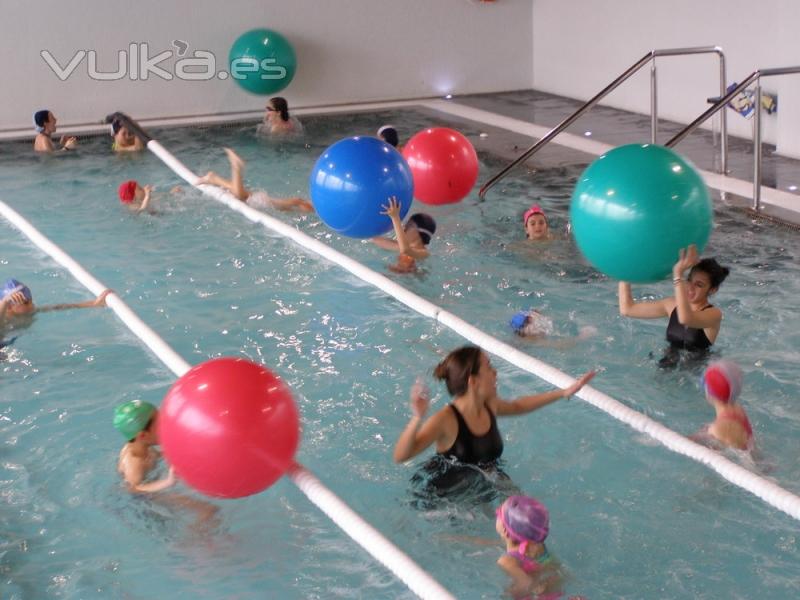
[16, 304]
[135, 197]
[124, 139]
[137, 421]
[412, 240]
[45, 124]
[523, 524]
[722, 381]
[533, 326]
[535, 223]
[257, 199]
[389, 135]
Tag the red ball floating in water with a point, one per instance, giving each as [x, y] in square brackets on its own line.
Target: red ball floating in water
[444, 165]
[229, 427]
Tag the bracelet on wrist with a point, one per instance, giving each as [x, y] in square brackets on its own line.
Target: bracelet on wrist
[676, 280]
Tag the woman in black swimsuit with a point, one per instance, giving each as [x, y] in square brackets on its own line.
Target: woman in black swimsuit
[693, 322]
[466, 430]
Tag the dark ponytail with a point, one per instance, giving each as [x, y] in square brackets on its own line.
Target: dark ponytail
[457, 368]
[281, 106]
[715, 271]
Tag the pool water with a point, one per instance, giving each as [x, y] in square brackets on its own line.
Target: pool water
[629, 519]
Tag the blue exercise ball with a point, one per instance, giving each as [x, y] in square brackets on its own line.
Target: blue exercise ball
[353, 179]
[635, 207]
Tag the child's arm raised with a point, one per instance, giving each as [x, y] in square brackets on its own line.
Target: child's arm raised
[392, 210]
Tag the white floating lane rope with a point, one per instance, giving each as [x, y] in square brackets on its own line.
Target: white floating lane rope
[366, 536]
[356, 268]
[168, 356]
[369, 538]
[760, 487]
[768, 491]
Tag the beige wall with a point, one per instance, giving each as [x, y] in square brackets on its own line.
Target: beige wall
[348, 50]
[581, 45]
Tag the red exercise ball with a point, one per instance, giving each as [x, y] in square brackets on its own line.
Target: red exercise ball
[444, 165]
[229, 427]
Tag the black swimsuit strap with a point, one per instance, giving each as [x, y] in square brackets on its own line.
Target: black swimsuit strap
[463, 422]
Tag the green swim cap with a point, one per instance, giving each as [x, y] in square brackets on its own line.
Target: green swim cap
[132, 417]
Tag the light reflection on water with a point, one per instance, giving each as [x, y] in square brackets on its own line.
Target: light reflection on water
[213, 284]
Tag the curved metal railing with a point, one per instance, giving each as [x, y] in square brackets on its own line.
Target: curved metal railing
[754, 77]
[648, 58]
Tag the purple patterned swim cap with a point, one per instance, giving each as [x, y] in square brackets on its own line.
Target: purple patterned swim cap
[525, 519]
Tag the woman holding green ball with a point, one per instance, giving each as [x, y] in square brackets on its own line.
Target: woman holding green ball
[694, 322]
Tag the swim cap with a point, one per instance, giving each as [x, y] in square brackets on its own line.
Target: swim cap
[11, 286]
[722, 381]
[389, 135]
[531, 323]
[40, 117]
[127, 191]
[132, 417]
[525, 519]
[535, 209]
[425, 225]
[519, 320]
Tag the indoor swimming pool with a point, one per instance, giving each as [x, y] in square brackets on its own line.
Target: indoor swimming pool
[629, 519]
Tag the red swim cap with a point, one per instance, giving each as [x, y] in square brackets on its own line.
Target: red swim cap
[127, 191]
[723, 381]
[717, 385]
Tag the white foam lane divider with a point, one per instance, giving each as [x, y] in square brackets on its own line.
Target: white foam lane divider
[356, 268]
[768, 491]
[168, 356]
[765, 489]
[366, 536]
[371, 539]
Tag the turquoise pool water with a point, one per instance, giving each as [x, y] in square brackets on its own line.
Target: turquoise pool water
[629, 518]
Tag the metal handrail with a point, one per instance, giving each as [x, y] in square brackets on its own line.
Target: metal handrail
[755, 76]
[647, 58]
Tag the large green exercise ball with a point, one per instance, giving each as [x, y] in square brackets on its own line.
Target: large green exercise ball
[635, 207]
[262, 61]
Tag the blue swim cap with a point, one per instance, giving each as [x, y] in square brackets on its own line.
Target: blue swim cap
[40, 117]
[11, 286]
[519, 320]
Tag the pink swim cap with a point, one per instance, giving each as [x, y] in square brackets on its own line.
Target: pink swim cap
[535, 209]
[722, 381]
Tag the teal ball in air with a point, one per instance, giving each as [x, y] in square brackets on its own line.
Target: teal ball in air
[262, 61]
[635, 207]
